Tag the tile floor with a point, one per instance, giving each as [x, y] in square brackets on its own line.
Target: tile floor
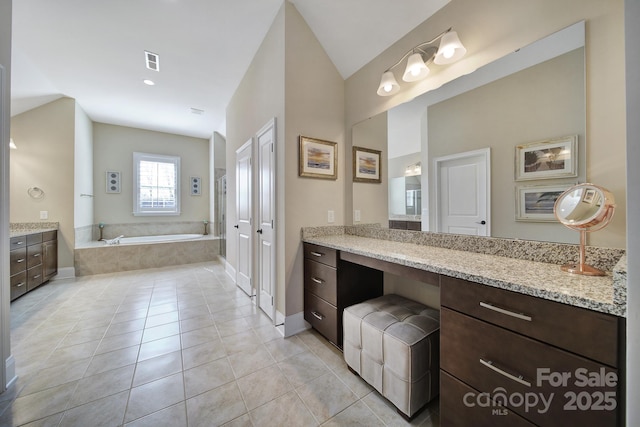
[178, 346]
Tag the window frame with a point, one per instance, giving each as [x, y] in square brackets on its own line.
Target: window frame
[154, 211]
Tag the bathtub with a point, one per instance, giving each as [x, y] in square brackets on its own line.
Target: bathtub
[158, 239]
[135, 253]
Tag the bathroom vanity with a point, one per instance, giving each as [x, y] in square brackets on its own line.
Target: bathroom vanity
[510, 329]
[33, 259]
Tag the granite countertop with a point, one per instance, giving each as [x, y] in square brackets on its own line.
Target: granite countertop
[538, 279]
[26, 228]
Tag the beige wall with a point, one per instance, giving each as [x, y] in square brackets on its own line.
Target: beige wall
[113, 151]
[494, 28]
[258, 99]
[45, 159]
[314, 107]
[541, 102]
[289, 68]
[369, 197]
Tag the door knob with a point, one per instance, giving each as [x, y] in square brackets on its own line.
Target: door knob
[236, 226]
[483, 222]
[259, 231]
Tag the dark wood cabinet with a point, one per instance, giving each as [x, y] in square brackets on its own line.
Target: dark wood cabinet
[330, 285]
[503, 345]
[399, 224]
[33, 261]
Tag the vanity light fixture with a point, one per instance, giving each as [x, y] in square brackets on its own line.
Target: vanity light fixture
[449, 51]
[12, 144]
[414, 169]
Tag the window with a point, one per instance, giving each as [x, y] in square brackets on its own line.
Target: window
[156, 188]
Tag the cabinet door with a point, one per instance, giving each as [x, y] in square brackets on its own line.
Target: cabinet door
[50, 259]
[34, 255]
[463, 406]
[18, 260]
[579, 391]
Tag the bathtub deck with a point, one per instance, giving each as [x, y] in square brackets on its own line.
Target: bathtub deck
[98, 258]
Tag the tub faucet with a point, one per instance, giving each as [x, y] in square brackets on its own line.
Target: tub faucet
[114, 241]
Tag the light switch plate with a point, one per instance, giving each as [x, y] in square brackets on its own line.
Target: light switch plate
[44, 214]
[356, 215]
[331, 216]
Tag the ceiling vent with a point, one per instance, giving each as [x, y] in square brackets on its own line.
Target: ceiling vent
[152, 60]
[197, 111]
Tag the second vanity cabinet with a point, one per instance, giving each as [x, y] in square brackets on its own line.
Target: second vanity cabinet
[33, 261]
[330, 285]
[508, 345]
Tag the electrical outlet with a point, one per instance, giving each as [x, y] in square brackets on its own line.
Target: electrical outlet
[331, 216]
[356, 215]
[44, 214]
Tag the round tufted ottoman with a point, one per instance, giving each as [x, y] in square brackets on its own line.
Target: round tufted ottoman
[393, 343]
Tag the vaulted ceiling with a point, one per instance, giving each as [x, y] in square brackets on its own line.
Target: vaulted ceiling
[93, 51]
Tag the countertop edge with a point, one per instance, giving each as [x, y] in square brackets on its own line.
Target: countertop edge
[617, 307]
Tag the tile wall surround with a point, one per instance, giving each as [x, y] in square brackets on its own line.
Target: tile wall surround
[529, 250]
[116, 258]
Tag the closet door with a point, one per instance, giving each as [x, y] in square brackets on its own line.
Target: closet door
[244, 208]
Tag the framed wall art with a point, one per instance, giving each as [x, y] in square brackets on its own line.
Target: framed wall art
[535, 203]
[318, 158]
[554, 158]
[367, 165]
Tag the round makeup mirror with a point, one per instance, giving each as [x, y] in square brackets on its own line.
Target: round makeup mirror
[586, 208]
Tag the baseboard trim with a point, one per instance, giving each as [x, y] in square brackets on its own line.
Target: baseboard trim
[231, 272]
[65, 273]
[294, 324]
[10, 369]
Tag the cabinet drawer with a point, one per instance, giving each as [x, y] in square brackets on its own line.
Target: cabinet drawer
[414, 225]
[586, 332]
[323, 317]
[17, 242]
[18, 285]
[320, 279]
[34, 255]
[459, 408]
[17, 261]
[33, 239]
[34, 277]
[320, 254]
[49, 235]
[487, 357]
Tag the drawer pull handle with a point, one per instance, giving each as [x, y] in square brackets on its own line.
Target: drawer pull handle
[36, 276]
[36, 255]
[507, 312]
[20, 284]
[317, 315]
[316, 253]
[20, 243]
[515, 377]
[318, 281]
[20, 260]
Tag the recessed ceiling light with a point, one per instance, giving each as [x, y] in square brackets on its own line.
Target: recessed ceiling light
[148, 82]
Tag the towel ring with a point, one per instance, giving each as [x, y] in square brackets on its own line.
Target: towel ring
[35, 192]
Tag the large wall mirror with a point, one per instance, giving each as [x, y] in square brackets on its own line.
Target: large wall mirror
[452, 152]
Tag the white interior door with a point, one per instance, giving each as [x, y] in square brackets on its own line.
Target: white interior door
[244, 208]
[463, 193]
[266, 219]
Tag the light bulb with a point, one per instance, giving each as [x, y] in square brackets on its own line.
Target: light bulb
[387, 88]
[448, 52]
